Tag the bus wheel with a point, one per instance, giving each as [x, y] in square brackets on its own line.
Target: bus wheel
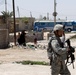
[69, 29]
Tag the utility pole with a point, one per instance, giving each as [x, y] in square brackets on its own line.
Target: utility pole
[55, 13]
[6, 18]
[14, 22]
[66, 18]
[30, 14]
[47, 16]
[18, 11]
[5, 5]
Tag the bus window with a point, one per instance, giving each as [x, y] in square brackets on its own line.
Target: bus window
[48, 24]
[42, 24]
[69, 23]
[63, 23]
[51, 24]
[37, 23]
[60, 22]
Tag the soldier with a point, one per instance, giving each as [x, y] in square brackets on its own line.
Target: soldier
[58, 54]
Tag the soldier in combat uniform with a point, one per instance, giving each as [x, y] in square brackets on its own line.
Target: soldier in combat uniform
[58, 53]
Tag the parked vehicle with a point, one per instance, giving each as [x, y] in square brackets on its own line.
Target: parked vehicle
[48, 25]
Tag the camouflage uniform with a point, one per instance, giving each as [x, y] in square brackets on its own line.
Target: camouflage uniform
[59, 55]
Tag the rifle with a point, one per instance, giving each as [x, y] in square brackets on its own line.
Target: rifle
[70, 53]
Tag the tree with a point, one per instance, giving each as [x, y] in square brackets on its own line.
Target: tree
[25, 20]
[6, 15]
[44, 17]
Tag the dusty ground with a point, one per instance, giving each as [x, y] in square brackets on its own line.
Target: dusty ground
[9, 56]
[19, 54]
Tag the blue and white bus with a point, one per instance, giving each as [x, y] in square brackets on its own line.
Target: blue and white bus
[48, 25]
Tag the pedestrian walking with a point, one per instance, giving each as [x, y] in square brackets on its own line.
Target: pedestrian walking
[22, 39]
[35, 40]
[57, 53]
[18, 37]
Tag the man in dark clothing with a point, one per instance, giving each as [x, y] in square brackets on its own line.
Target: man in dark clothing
[22, 40]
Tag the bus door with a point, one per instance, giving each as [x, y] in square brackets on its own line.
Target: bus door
[36, 26]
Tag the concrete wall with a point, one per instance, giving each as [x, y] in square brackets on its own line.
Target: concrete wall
[21, 25]
[29, 37]
[3, 38]
[3, 26]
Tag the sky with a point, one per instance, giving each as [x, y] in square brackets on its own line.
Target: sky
[64, 8]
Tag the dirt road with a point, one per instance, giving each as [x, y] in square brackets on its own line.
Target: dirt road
[10, 55]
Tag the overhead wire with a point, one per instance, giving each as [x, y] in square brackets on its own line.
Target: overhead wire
[32, 11]
[40, 13]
